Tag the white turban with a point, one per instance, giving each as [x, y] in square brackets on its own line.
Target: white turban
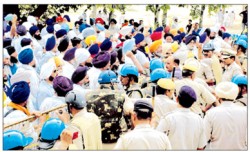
[32, 20]
[47, 70]
[71, 34]
[20, 76]
[227, 90]
[5, 53]
[57, 27]
[126, 30]
[81, 55]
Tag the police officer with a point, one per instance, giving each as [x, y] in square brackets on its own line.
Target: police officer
[108, 104]
[143, 137]
[241, 81]
[129, 79]
[204, 98]
[15, 140]
[232, 68]
[164, 102]
[174, 123]
[50, 133]
[85, 124]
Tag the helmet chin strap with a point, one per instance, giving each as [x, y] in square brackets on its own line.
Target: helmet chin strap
[70, 114]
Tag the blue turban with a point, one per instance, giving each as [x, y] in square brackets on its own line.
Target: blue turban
[20, 92]
[21, 30]
[138, 38]
[67, 17]
[94, 49]
[50, 44]
[70, 54]
[106, 45]
[226, 35]
[33, 30]
[50, 29]
[159, 29]
[61, 33]
[26, 56]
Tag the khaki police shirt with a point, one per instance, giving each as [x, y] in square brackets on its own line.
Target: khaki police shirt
[204, 96]
[226, 127]
[89, 126]
[163, 105]
[184, 129]
[231, 71]
[143, 137]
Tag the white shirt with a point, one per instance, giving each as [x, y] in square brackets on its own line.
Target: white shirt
[231, 71]
[26, 128]
[203, 95]
[81, 89]
[143, 137]
[163, 105]
[184, 128]
[45, 90]
[93, 74]
[17, 42]
[226, 126]
[52, 102]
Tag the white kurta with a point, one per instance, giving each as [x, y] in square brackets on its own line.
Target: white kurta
[143, 137]
[184, 128]
[93, 74]
[226, 127]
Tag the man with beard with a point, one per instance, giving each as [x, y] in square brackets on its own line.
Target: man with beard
[47, 75]
[26, 58]
[13, 59]
[16, 109]
[36, 40]
[113, 27]
[140, 51]
[81, 79]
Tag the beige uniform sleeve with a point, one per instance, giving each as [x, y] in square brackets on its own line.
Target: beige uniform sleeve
[206, 95]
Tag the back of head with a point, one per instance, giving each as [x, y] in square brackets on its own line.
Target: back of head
[107, 77]
[62, 85]
[19, 92]
[75, 99]
[143, 109]
[50, 133]
[186, 96]
[227, 90]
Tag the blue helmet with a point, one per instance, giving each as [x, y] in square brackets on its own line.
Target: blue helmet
[129, 69]
[52, 129]
[240, 79]
[14, 138]
[242, 43]
[158, 74]
[243, 37]
[107, 76]
[155, 64]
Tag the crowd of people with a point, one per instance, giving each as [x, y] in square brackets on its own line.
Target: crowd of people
[128, 87]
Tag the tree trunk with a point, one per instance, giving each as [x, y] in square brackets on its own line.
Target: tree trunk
[156, 13]
[164, 18]
[110, 16]
[201, 15]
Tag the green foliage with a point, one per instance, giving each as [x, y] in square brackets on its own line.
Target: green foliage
[212, 9]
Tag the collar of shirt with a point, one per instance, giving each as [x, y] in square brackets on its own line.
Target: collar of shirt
[142, 126]
[181, 109]
[227, 104]
[79, 114]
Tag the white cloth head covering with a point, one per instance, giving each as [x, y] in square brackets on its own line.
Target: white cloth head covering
[126, 30]
[20, 76]
[5, 53]
[27, 25]
[227, 90]
[71, 34]
[81, 55]
[57, 27]
[32, 20]
[47, 70]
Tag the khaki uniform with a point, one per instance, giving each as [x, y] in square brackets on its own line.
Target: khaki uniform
[226, 127]
[143, 137]
[231, 71]
[163, 105]
[134, 91]
[217, 69]
[89, 131]
[184, 129]
[203, 95]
